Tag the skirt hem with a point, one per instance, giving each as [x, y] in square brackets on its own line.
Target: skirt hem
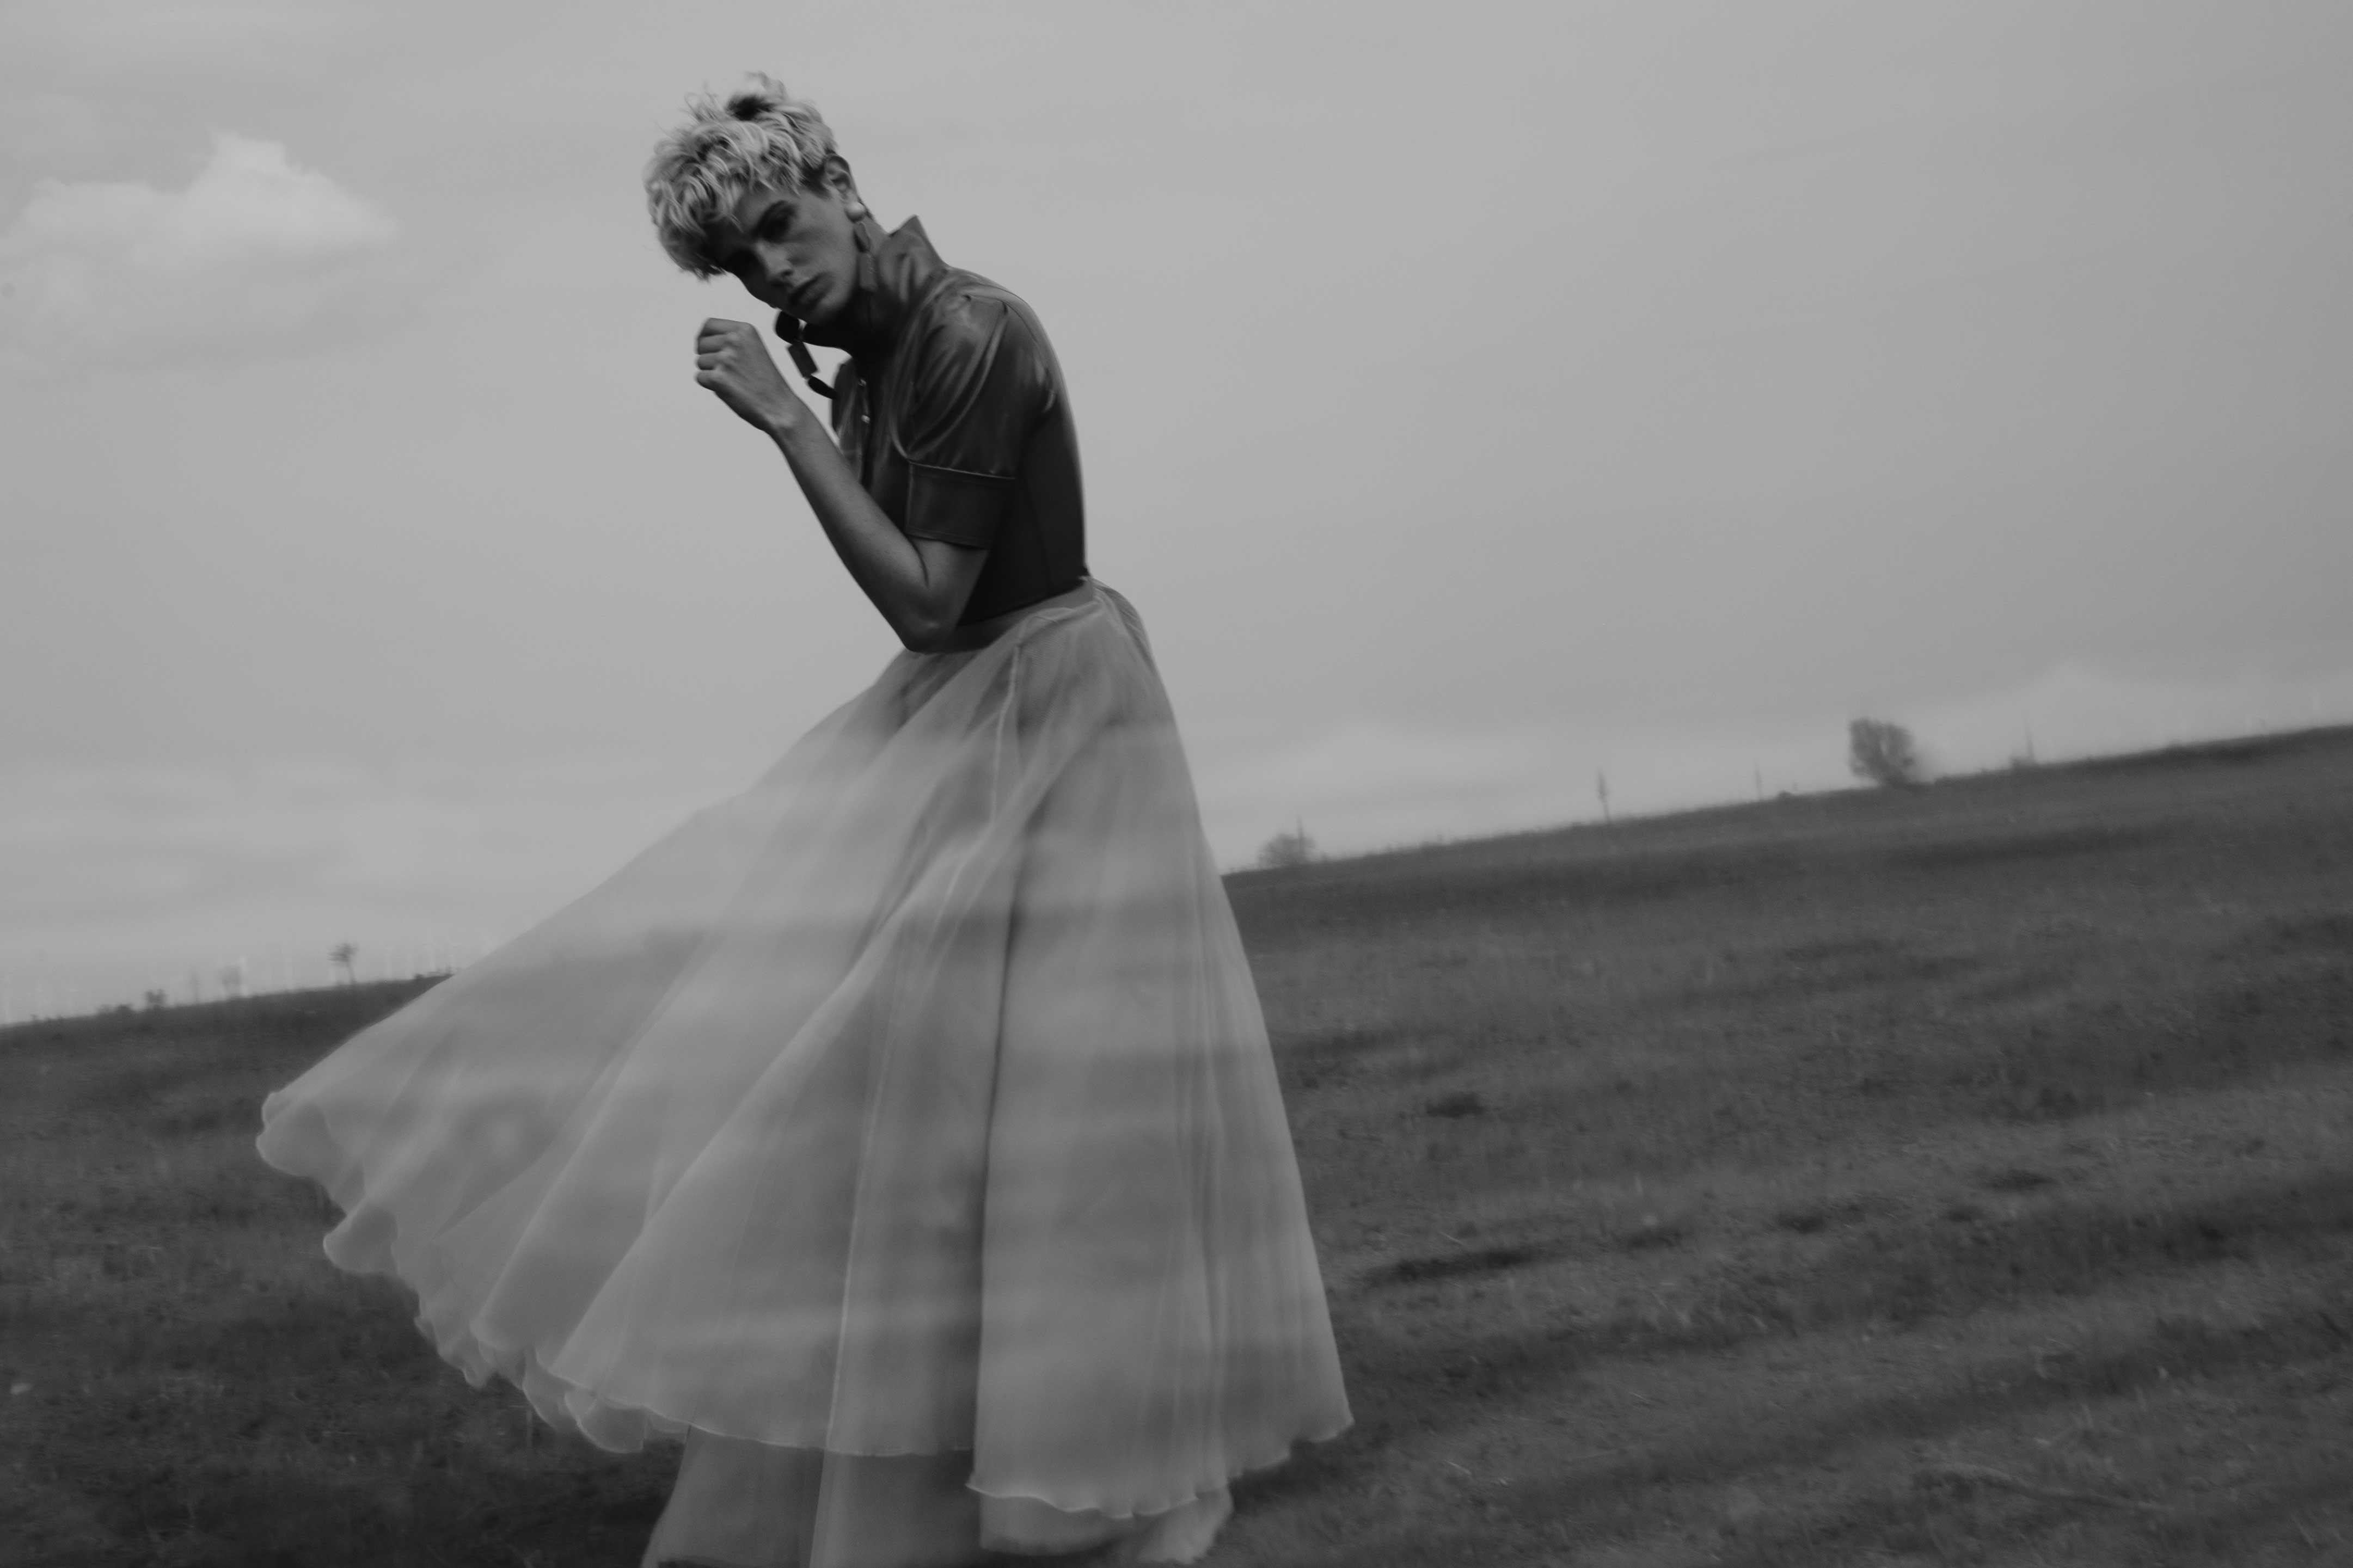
[524, 1368]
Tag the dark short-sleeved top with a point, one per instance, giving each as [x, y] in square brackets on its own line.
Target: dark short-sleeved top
[953, 412]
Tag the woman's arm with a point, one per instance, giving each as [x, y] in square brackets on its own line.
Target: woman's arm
[920, 585]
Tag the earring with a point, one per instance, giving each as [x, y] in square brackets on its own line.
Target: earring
[789, 327]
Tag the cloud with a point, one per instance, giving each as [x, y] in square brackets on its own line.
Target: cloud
[2078, 709]
[256, 256]
[1359, 786]
[123, 876]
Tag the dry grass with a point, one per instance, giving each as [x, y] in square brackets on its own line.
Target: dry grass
[196, 1385]
[1953, 1176]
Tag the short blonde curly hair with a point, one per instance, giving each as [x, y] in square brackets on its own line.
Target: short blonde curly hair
[758, 135]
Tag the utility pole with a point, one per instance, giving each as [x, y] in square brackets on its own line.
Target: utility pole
[1601, 788]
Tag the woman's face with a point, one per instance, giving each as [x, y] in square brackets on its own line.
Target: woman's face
[794, 247]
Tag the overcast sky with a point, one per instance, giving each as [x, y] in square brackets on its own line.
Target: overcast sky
[1472, 397]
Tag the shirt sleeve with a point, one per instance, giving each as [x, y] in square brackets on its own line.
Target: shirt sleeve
[980, 385]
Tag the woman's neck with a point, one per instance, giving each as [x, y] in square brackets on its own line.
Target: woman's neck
[893, 270]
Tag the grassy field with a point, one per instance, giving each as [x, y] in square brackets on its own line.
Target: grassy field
[1956, 1175]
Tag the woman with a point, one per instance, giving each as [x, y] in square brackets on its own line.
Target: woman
[902, 1132]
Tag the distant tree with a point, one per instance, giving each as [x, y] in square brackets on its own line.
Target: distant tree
[342, 954]
[1882, 752]
[232, 980]
[156, 1001]
[1291, 849]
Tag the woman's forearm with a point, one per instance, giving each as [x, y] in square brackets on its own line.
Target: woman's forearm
[917, 591]
[920, 585]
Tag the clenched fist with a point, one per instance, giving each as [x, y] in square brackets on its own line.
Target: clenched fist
[731, 359]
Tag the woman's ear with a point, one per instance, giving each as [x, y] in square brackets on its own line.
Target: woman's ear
[842, 183]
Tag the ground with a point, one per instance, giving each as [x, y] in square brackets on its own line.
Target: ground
[1951, 1175]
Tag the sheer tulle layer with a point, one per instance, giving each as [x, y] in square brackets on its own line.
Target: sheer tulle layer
[915, 1101]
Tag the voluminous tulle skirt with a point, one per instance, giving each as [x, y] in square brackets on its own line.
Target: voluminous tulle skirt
[903, 1132]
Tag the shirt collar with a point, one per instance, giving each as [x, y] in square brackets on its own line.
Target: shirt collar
[891, 277]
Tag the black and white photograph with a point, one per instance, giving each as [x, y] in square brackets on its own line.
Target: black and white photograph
[1056, 784]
